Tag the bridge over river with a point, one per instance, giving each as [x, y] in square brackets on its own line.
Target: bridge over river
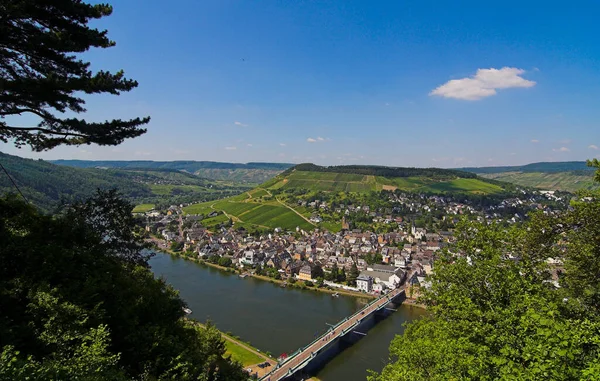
[303, 357]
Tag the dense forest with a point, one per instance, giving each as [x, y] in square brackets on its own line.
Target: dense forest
[372, 170]
[80, 302]
[48, 185]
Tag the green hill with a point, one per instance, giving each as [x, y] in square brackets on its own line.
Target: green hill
[255, 173]
[46, 184]
[542, 167]
[565, 181]
[310, 177]
[568, 176]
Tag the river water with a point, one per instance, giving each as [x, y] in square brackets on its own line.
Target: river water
[280, 320]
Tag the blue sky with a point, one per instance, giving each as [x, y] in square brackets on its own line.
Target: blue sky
[346, 82]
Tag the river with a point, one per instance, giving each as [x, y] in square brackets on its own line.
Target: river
[279, 320]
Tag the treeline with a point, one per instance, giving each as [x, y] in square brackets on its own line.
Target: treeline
[372, 170]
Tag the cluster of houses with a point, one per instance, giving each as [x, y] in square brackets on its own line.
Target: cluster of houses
[296, 255]
[383, 259]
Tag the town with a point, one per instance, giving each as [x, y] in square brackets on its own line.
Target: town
[405, 234]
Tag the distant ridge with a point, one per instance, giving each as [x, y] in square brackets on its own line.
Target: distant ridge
[383, 171]
[181, 165]
[542, 167]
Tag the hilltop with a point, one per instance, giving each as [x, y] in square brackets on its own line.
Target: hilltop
[566, 176]
[254, 173]
[357, 178]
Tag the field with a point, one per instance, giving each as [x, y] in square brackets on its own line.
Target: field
[343, 182]
[325, 181]
[250, 214]
[565, 181]
[143, 208]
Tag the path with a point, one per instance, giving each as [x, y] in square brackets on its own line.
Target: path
[294, 210]
[235, 218]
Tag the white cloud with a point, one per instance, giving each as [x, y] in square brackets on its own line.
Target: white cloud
[483, 84]
[565, 141]
[592, 146]
[240, 124]
[512, 153]
[282, 144]
[311, 140]
[231, 148]
[561, 149]
[320, 139]
[535, 141]
[249, 145]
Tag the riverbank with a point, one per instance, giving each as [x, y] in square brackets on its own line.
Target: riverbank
[249, 356]
[413, 303]
[266, 278]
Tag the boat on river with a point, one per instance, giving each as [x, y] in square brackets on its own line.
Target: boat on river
[335, 295]
[187, 311]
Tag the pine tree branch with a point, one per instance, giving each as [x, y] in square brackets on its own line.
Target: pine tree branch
[44, 130]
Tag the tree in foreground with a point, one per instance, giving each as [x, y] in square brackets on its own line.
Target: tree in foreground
[42, 76]
[495, 314]
[79, 302]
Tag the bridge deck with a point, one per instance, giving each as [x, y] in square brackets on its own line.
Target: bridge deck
[304, 355]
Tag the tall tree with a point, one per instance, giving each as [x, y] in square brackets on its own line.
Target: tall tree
[42, 75]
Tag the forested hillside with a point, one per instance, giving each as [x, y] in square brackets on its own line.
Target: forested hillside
[46, 184]
[253, 173]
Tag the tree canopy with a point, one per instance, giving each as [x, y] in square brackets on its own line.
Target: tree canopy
[42, 74]
[79, 302]
[500, 310]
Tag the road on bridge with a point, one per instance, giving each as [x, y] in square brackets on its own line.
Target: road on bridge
[281, 372]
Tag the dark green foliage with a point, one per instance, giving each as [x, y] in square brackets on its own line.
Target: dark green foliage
[225, 262]
[79, 302]
[373, 170]
[176, 246]
[316, 272]
[352, 275]
[41, 74]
